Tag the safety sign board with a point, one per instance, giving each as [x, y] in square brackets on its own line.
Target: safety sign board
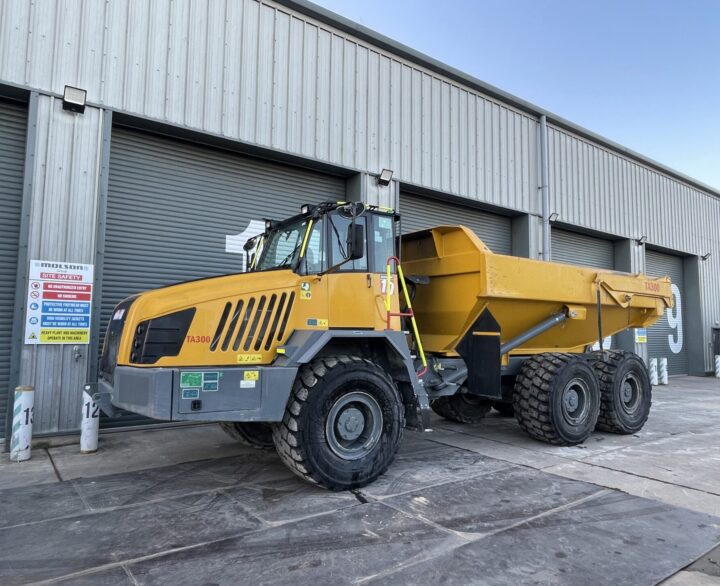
[59, 303]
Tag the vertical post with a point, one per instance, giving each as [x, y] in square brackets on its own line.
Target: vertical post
[545, 188]
[90, 423]
[653, 371]
[23, 407]
[717, 365]
[663, 371]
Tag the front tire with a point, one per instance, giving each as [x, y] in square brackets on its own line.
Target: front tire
[253, 434]
[557, 398]
[343, 423]
[625, 389]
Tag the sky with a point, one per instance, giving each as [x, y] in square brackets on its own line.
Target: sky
[643, 73]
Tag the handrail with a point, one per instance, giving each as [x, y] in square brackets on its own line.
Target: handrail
[409, 313]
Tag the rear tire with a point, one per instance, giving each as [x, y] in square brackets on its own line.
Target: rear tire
[625, 391]
[343, 423]
[253, 434]
[557, 398]
[461, 408]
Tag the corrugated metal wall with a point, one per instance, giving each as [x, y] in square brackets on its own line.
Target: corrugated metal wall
[255, 72]
[667, 337]
[62, 227]
[419, 213]
[13, 128]
[581, 249]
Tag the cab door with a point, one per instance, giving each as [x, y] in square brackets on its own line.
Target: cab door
[356, 289]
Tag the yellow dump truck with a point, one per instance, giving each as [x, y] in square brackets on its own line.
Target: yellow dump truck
[330, 344]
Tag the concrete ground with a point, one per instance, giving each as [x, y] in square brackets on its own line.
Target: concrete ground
[480, 504]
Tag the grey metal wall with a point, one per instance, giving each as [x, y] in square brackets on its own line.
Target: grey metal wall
[582, 249]
[63, 185]
[261, 73]
[667, 337]
[13, 128]
[420, 212]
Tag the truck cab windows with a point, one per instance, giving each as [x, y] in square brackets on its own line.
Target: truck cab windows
[339, 224]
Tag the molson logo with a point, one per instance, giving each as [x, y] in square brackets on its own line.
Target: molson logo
[60, 265]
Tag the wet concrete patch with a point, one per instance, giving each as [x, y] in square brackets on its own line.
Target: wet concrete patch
[62, 546]
[436, 464]
[254, 469]
[31, 504]
[499, 499]
[611, 539]
[332, 549]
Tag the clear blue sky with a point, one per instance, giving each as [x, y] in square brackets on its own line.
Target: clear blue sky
[644, 73]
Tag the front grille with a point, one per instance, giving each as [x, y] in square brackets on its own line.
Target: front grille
[161, 336]
[253, 323]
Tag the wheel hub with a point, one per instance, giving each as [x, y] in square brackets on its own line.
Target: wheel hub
[575, 401]
[351, 423]
[630, 392]
[354, 425]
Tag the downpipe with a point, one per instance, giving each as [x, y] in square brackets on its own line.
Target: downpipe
[545, 188]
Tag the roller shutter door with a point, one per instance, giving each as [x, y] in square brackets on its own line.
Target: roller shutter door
[666, 337]
[421, 212]
[13, 123]
[581, 249]
[171, 205]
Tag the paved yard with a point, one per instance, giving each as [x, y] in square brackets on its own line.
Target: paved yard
[477, 504]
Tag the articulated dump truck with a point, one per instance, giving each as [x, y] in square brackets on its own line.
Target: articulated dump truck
[329, 345]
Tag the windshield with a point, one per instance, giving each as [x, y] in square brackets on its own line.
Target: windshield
[282, 246]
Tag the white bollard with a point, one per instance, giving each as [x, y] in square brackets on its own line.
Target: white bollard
[21, 440]
[653, 372]
[717, 365]
[663, 373]
[90, 423]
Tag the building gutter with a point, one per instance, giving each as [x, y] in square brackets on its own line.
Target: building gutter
[544, 188]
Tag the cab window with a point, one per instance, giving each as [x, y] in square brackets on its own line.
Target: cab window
[314, 260]
[383, 242]
[338, 227]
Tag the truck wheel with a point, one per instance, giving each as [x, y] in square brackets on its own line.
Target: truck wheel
[343, 423]
[625, 391]
[461, 408]
[505, 409]
[557, 398]
[256, 435]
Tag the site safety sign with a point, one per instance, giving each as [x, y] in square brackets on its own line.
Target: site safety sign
[59, 301]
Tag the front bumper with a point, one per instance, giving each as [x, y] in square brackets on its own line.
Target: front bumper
[199, 394]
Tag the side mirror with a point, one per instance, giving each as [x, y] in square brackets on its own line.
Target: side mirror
[355, 241]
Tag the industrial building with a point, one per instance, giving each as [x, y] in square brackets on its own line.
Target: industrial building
[148, 139]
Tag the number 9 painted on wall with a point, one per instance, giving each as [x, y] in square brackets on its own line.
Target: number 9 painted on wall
[674, 318]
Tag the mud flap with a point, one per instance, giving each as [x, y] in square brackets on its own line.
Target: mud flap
[480, 349]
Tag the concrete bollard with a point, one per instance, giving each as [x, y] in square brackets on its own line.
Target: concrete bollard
[90, 423]
[653, 372]
[663, 372]
[717, 365]
[21, 439]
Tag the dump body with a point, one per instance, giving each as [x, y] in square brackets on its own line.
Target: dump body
[466, 278]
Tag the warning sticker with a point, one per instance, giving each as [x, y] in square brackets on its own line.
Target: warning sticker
[248, 358]
[251, 375]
